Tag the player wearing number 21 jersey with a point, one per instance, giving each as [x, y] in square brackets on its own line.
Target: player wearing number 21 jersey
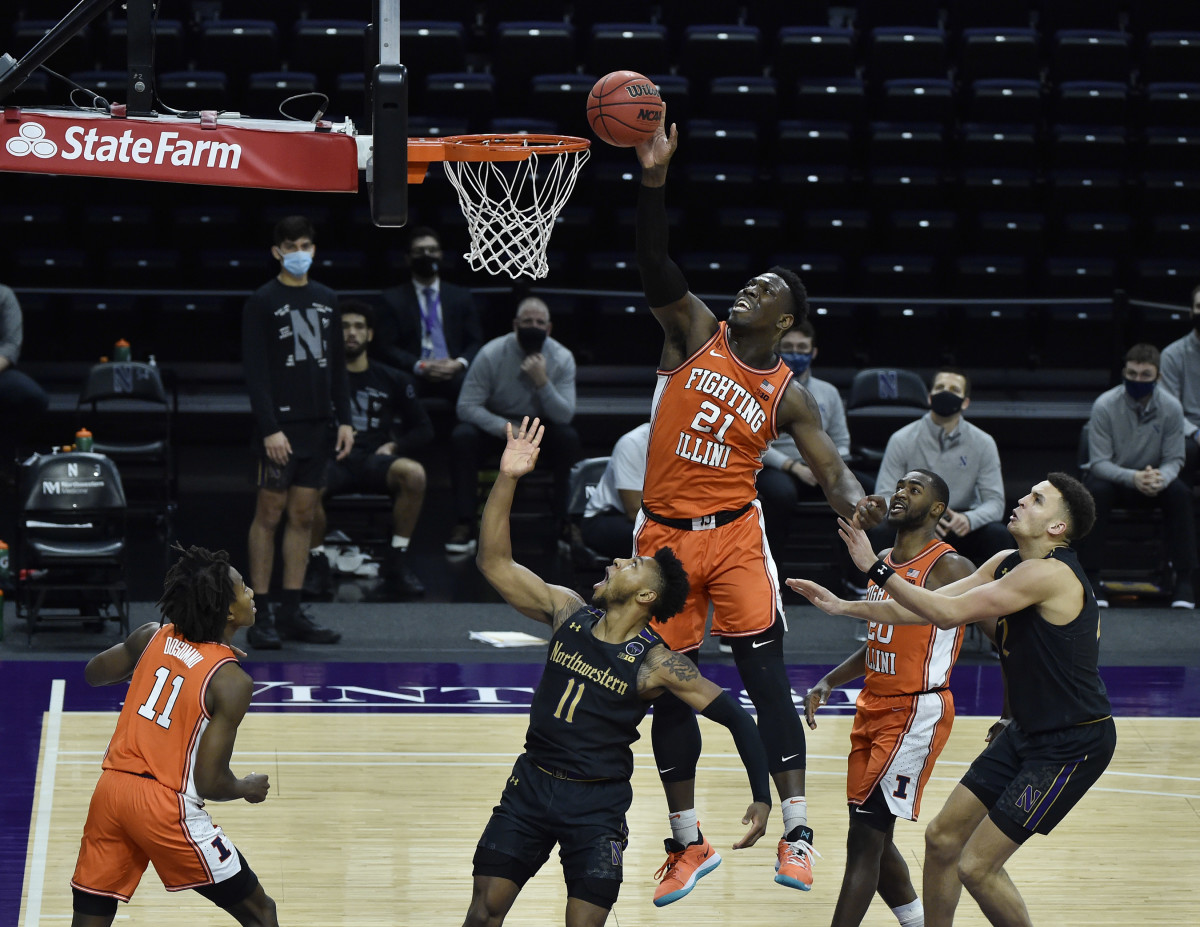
[571, 785]
[171, 750]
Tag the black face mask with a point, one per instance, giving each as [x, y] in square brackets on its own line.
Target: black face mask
[945, 403]
[424, 265]
[531, 339]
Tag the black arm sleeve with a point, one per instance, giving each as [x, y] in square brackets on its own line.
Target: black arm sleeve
[662, 280]
[724, 710]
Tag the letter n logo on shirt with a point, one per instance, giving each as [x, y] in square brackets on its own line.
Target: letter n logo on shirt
[308, 344]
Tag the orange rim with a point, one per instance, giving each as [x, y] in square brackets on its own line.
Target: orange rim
[424, 151]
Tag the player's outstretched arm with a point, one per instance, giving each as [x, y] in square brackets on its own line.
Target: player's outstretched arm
[799, 414]
[665, 669]
[227, 698]
[849, 669]
[116, 664]
[687, 322]
[521, 588]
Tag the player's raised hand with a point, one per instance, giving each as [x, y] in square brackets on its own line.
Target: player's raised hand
[756, 817]
[858, 544]
[256, 787]
[521, 453]
[659, 148]
[870, 511]
[821, 597]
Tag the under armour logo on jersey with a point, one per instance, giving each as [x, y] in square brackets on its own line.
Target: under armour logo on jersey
[575, 626]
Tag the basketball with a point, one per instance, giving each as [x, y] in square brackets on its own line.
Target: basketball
[624, 108]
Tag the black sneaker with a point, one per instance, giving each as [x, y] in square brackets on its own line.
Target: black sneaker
[299, 626]
[1183, 596]
[461, 540]
[318, 577]
[262, 634]
[400, 575]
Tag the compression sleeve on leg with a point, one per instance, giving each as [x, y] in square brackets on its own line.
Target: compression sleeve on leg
[724, 710]
[662, 280]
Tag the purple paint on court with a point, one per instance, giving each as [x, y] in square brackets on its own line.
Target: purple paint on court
[1140, 691]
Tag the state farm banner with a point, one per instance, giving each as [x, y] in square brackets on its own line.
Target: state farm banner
[234, 153]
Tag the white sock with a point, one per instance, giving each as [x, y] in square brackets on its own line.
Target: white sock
[400, 542]
[911, 914]
[684, 827]
[795, 813]
[316, 550]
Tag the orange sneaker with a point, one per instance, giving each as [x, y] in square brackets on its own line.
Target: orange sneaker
[684, 866]
[793, 866]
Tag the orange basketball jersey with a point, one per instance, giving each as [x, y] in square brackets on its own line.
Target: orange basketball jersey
[711, 421]
[910, 658]
[164, 716]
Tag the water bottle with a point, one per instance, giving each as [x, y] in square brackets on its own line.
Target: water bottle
[83, 440]
[121, 352]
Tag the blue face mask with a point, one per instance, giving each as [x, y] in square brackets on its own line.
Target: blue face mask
[798, 363]
[297, 263]
[1139, 389]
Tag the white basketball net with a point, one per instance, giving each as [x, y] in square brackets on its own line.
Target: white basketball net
[511, 207]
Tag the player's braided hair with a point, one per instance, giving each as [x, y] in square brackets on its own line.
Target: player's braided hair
[197, 594]
[675, 585]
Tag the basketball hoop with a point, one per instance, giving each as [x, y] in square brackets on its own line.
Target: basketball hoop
[510, 188]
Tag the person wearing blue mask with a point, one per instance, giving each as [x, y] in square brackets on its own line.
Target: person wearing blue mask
[1135, 455]
[785, 478]
[296, 376]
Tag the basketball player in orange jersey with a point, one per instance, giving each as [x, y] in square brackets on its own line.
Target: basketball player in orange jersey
[903, 715]
[723, 395]
[170, 752]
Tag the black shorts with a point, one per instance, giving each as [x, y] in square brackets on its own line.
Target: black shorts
[360, 472]
[311, 444]
[1030, 781]
[538, 810]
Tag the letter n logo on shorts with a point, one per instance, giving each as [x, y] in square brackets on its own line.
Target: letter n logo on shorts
[617, 849]
[1029, 798]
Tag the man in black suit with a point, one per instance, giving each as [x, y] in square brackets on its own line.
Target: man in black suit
[428, 327]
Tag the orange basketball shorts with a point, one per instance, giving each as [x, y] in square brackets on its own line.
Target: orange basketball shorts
[729, 566]
[132, 821]
[894, 743]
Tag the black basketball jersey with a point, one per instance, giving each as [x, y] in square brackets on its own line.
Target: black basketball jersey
[1053, 670]
[586, 709]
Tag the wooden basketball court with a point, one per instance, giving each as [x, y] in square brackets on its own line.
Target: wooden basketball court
[373, 818]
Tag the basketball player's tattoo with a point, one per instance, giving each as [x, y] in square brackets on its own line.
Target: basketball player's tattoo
[681, 667]
[568, 608]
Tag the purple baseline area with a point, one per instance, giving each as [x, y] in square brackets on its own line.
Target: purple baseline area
[1139, 691]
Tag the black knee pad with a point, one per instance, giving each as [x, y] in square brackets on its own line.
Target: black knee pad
[496, 865]
[675, 736]
[92, 905]
[600, 892]
[874, 813]
[234, 890]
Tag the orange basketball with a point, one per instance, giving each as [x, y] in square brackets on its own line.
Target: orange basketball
[624, 108]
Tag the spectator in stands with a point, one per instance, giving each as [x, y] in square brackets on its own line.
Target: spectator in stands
[21, 399]
[1180, 376]
[429, 327]
[612, 507]
[292, 351]
[389, 424]
[1135, 455]
[522, 373]
[785, 478]
[965, 456]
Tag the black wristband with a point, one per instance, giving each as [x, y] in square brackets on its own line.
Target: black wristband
[880, 573]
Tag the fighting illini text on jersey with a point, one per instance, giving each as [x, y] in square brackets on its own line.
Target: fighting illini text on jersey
[907, 659]
[712, 419]
[164, 717]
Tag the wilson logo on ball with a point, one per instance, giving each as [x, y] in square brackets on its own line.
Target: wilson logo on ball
[624, 108]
